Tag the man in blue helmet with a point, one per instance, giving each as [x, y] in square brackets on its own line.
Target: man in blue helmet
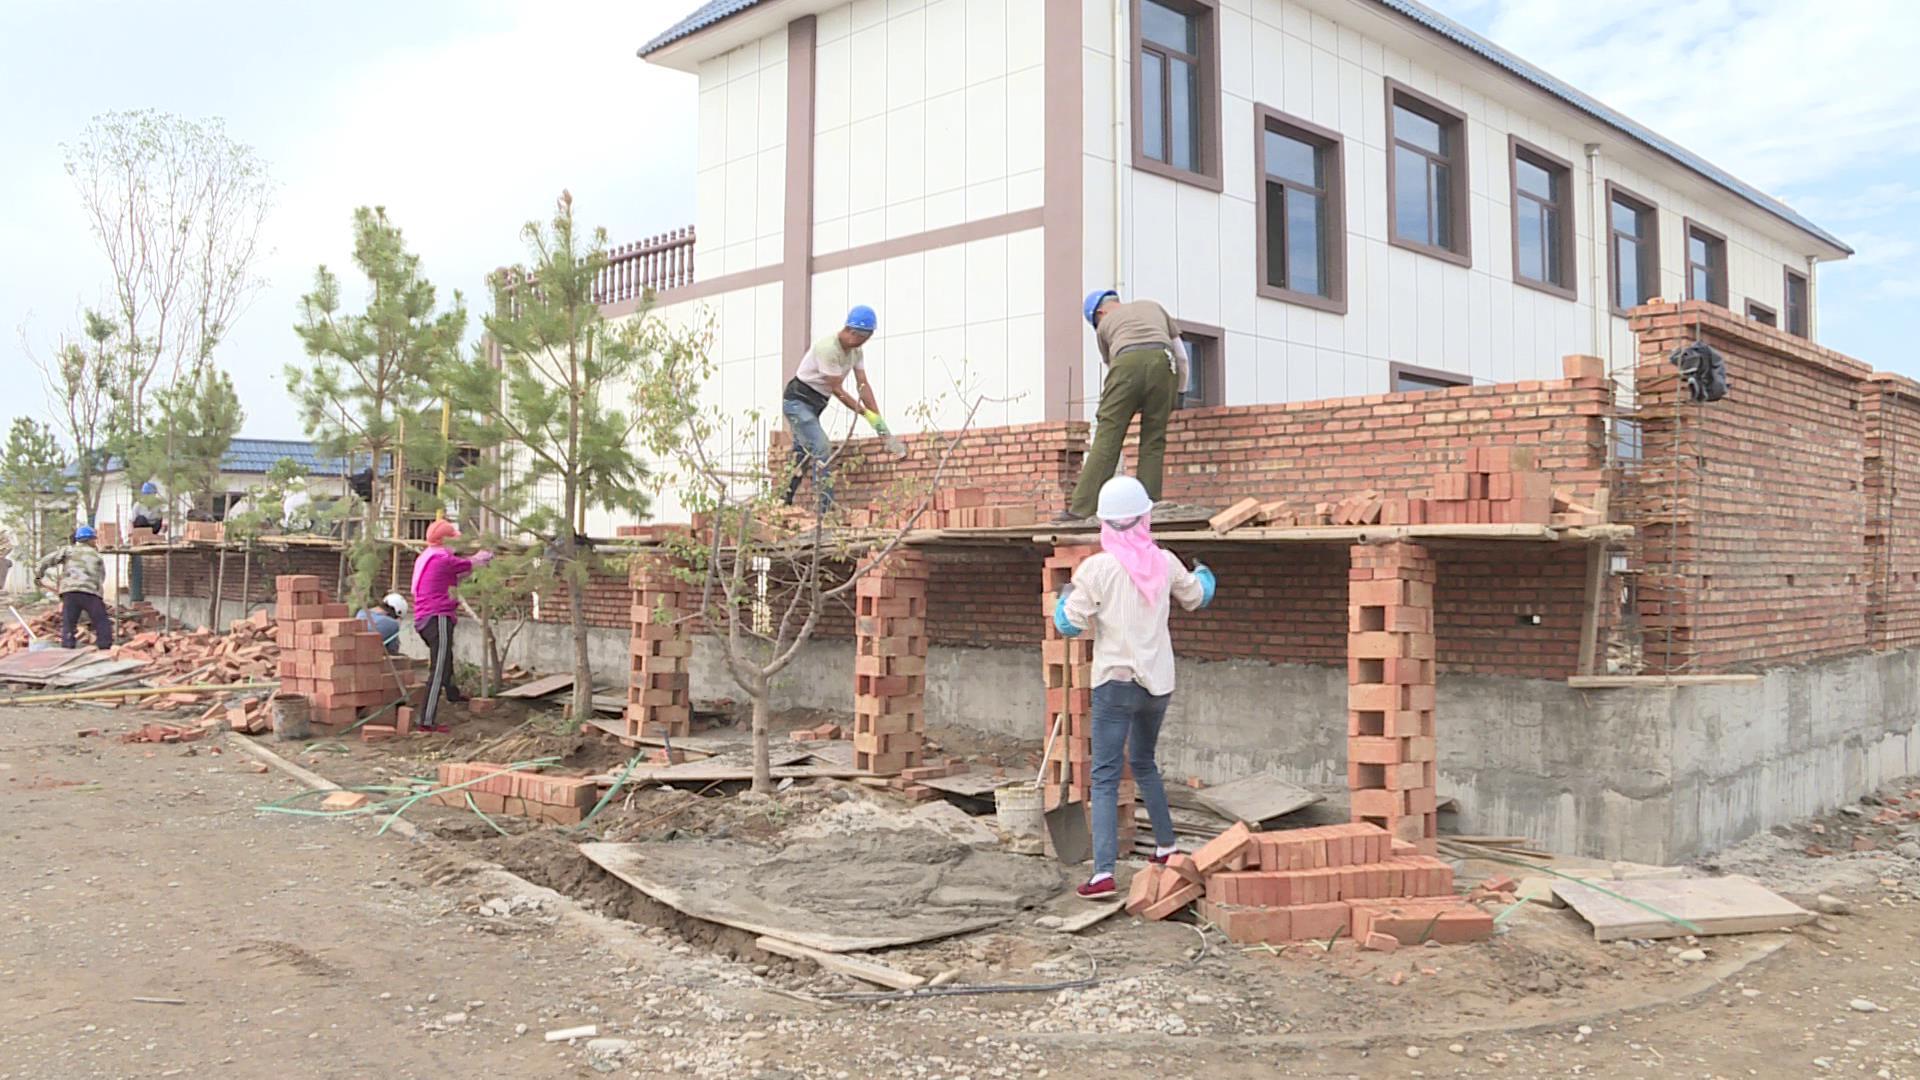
[146, 509]
[820, 379]
[1146, 366]
[83, 576]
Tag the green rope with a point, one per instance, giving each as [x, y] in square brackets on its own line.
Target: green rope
[613, 790]
[405, 802]
[475, 807]
[518, 766]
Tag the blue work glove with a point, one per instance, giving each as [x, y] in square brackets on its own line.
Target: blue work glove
[1207, 583]
[1060, 620]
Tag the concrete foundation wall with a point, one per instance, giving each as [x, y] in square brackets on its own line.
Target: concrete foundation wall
[1651, 774]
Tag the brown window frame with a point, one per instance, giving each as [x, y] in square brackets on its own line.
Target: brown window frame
[1208, 62]
[1716, 279]
[1621, 193]
[1213, 373]
[1330, 143]
[1459, 195]
[1451, 379]
[1552, 163]
[1755, 311]
[1805, 330]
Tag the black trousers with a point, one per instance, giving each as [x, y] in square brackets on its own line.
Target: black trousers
[72, 606]
[437, 632]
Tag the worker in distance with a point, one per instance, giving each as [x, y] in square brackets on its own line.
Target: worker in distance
[820, 380]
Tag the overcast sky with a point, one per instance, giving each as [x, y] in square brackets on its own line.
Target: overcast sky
[465, 120]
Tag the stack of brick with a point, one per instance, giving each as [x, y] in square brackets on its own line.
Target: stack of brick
[659, 686]
[1068, 664]
[890, 663]
[561, 800]
[1495, 485]
[1391, 771]
[1313, 884]
[332, 659]
[969, 508]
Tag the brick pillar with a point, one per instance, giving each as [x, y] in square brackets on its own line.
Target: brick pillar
[1068, 664]
[659, 689]
[890, 664]
[1390, 732]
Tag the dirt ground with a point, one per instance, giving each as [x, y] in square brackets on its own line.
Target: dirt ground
[284, 945]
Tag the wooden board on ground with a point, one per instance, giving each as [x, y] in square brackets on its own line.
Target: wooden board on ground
[972, 785]
[79, 675]
[611, 704]
[734, 765]
[1723, 905]
[35, 666]
[713, 895]
[853, 967]
[705, 745]
[540, 687]
[1073, 924]
[1253, 799]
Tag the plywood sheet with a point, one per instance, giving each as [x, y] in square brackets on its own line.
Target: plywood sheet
[1253, 799]
[540, 687]
[1723, 905]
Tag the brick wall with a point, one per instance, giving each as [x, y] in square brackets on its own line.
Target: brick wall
[1890, 410]
[194, 572]
[1305, 452]
[1752, 514]
[1319, 451]
[1289, 605]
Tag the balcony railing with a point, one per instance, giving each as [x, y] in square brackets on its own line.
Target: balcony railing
[658, 263]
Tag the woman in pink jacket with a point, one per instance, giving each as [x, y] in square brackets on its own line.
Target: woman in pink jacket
[435, 611]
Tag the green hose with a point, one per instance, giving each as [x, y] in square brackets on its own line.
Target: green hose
[613, 790]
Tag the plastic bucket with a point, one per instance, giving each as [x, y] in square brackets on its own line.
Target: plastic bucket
[291, 720]
[1019, 811]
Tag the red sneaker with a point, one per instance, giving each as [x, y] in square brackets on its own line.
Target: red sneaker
[1161, 860]
[1098, 890]
[433, 729]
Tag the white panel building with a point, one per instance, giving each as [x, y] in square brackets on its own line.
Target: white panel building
[1334, 197]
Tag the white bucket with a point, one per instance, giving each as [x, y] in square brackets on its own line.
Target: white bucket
[1018, 810]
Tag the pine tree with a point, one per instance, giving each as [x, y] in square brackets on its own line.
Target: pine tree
[186, 440]
[544, 417]
[33, 488]
[368, 371]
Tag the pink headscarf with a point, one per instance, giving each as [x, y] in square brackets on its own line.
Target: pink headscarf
[1143, 559]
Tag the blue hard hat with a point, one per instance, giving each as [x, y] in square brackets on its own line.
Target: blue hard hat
[1094, 300]
[862, 318]
[84, 532]
[149, 488]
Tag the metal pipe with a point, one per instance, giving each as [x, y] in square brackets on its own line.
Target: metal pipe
[1597, 221]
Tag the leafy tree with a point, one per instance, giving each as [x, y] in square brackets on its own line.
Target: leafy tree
[499, 594]
[766, 574]
[368, 370]
[79, 381]
[544, 416]
[177, 207]
[33, 486]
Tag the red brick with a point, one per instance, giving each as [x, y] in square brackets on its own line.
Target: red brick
[1215, 852]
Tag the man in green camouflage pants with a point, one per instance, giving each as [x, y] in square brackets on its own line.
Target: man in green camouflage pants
[83, 577]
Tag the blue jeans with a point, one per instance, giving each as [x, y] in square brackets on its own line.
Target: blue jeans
[1126, 723]
[810, 445]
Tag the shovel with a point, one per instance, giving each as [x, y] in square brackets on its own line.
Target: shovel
[1066, 823]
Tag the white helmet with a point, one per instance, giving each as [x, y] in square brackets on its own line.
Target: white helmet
[397, 602]
[1123, 498]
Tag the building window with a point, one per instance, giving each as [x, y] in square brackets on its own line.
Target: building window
[1203, 387]
[1796, 302]
[1542, 218]
[1706, 265]
[1176, 126]
[1301, 212]
[1762, 314]
[1634, 253]
[1426, 175]
[1405, 378]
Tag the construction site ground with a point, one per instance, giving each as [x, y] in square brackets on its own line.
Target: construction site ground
[282, 945]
